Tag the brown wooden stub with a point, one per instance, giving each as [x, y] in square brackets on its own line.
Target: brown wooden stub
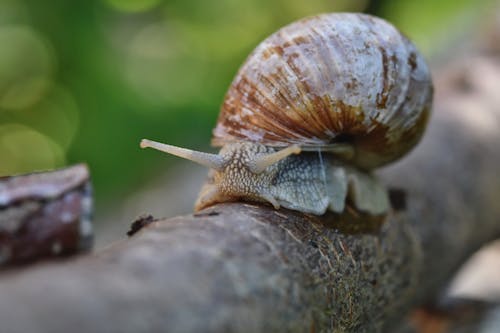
[45, 214]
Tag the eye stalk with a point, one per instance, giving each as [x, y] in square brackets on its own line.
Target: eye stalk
[218, 162]
[212, 161]
[259, 164]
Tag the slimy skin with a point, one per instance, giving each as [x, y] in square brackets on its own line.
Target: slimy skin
[309, 182]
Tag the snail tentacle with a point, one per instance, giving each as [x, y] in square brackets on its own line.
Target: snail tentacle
[213, 161]
[260, 163]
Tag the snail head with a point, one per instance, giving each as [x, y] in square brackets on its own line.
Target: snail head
[253, 156]
[241, 169]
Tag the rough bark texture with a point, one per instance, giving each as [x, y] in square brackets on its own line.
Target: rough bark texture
[45, 214]
[247, 268]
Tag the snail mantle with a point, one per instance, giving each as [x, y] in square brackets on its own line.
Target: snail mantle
[316, 107]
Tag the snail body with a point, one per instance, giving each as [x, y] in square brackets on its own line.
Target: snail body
[314, 109]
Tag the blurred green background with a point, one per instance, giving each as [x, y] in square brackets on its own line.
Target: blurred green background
[86, 80]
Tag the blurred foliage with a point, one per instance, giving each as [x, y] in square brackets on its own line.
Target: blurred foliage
[86, 80]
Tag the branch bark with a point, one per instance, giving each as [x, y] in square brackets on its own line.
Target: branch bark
[247, 268]
[45, 214]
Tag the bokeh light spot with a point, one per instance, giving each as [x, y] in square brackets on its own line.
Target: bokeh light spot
[26, 66]
[13, 11]
[56, 115]
[161, 69]
[25, 150]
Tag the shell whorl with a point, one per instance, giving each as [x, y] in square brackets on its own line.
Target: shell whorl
[330, 78]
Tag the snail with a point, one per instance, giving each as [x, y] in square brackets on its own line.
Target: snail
[316, 107]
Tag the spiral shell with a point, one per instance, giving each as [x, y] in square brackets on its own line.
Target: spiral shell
[341, 77]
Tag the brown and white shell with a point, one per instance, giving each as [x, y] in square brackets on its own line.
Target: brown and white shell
[342, 77]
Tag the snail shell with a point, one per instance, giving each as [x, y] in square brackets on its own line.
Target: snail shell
[331, 78]
[316, 107]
